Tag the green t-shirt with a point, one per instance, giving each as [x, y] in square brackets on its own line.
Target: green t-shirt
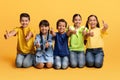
[77, 40]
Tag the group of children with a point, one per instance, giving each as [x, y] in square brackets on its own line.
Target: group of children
[69, 43]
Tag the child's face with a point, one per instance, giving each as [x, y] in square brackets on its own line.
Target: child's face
[92, 22]
[77, 21]
[44, 29]
[61, 27]
[24, 21]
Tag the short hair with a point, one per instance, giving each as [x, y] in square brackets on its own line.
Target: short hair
[61, 20]
[24, 15]
[44, 22]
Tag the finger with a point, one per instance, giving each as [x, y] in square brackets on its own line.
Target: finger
[103, 22]
[6, 31]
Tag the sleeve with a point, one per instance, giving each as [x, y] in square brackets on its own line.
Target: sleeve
[103, 33]
[37, 39]
[50, 41]
[16, 29]
[32, 30]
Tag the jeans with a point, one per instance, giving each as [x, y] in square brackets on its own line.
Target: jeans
[94, 57]
[61, 62]
[77, 58]
[24, 60]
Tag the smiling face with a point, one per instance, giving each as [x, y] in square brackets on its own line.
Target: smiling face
[44, 29]
[92, 22]
[24, 21]
[61, 27]
[77, 21]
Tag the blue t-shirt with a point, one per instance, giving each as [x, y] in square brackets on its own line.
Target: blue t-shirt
[61, 45]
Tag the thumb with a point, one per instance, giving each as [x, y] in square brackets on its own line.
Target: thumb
[68, 27]
[103, 22]
[6, 32]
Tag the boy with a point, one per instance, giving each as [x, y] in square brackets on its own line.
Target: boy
[25, 47]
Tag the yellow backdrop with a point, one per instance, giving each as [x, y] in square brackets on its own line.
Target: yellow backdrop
[52, 10]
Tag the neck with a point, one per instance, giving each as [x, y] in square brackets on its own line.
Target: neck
[76, 27]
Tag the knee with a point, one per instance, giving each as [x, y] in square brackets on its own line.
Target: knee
[98, 64]
[27, 64]
[57, 66]
[49, 65]
[64, 66]
[18, 64]
[81, 65]
[40, 65]
[73, 64]
[90, 63]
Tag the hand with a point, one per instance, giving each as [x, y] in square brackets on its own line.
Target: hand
[46, 44]
[38, 44]
[105, 25]
[6, 36]
[27, 38]
[71, 31]
[51, 30]
[91, 33]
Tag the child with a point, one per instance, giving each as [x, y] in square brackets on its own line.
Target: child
[94, 45]
[25, 47]
[43, 43]
[77, 56]
[61, 52]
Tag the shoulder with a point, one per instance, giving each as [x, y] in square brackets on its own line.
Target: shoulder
[72, 27]
[37, 35]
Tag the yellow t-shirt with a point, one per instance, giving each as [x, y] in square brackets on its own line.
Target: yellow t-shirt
[24, 46]
[97, 40]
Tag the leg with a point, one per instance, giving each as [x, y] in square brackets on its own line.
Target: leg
[57, 62]
[19, 60]
[99, 60]
[89, 59]
[81, 59]
[73, 59]
[65, 62]
[39, 65]
[28, 61]
[49, 64]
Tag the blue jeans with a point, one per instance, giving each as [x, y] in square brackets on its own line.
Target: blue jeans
[61, 62]
[94, 57]
[24, 60]
[77, 58]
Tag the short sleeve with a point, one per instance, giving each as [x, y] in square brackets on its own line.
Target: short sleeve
[32, 30]
[16, 29]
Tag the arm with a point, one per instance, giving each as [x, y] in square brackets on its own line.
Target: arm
[37, 42]
[49, 42]
[52, 32]
[105, 26]
[10, 34]
[70, 32]
[29, 35]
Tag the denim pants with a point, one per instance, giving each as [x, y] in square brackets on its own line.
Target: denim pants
[77, 58]
[61, 62]
[24, 60]
[94, 57]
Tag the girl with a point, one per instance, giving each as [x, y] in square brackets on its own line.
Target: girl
[77, 56]
[61, 51]
[25, 46]
[43, 43]
[94, 45]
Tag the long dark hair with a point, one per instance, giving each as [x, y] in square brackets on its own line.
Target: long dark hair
[45, 23]
[75, 16]
[88, 21]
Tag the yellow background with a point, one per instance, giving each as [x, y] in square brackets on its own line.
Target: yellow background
[52, 10]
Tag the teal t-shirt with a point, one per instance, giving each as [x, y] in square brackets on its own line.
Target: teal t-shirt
[77, 40]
